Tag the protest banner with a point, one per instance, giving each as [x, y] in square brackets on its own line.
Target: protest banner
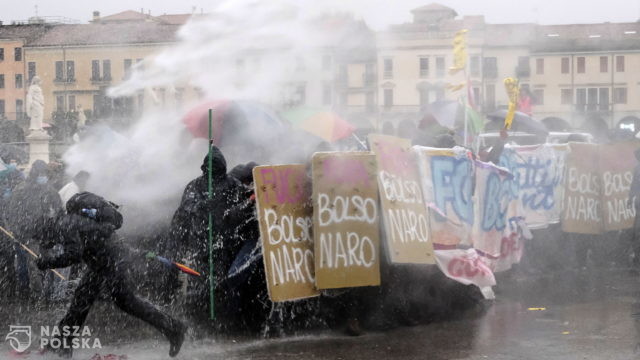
[345, 220]
[402, 205]
[283, 195]
[493, 199]
[538, 177]
[560, 152]
[447, 185]
[465, 266]
[617, 162]
[582, 209]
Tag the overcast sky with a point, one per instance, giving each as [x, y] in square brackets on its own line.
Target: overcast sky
[377, 12]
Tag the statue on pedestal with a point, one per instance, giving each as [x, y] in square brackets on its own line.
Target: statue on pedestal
[35, 104]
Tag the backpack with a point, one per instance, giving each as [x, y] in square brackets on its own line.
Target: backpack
[95, 207]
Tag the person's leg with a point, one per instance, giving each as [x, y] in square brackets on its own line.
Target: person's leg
[7, 270]
[83, 299]
[124, 298]
[22, 272]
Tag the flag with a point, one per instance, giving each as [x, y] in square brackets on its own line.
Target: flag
[511, 85]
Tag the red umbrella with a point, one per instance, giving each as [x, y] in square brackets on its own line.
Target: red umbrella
[232, 116]
[197, 119]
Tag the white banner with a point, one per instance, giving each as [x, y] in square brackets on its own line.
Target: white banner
[465, 266]
[538, 179]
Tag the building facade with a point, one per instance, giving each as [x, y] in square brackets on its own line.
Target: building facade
[15, 71]
[573, 72]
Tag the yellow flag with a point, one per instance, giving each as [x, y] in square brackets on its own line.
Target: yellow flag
[459, 52]
[455, 87]
[512, 87]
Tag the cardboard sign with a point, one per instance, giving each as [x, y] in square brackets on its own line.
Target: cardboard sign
[345, 220]
[447, 184]
[617, 162]
[582, 209]
[404, 211]
[284, 212]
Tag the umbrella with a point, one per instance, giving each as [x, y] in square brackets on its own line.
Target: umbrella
[556, 124]
[231, 118]
[322, 123]
[174, 265]
[521, 122]
[245, 263]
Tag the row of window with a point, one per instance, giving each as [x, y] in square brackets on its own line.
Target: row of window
[581, 65]
[100, 71]
[586, 99]
[17, 54]
[19, 108]
[489, 67]
[19, 83]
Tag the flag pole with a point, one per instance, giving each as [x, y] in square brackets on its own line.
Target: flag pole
[212, 314]
[31, 252]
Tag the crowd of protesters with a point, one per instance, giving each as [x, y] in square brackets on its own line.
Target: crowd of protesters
[44, 210]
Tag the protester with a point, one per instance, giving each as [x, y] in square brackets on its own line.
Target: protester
[246, 276]
[10, 177]
[445, 141]
[76, 185]
[33, 202]
[87, 234]
[229, 207]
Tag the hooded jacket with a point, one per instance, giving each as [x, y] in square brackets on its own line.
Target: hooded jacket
[190, 223]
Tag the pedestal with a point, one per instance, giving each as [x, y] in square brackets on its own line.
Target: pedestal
[38, 146]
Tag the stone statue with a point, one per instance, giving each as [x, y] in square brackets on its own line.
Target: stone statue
[82, 118]
[35, 104]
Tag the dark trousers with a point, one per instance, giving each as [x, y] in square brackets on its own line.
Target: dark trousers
[7, 269]
[119, 290]
[22, 272]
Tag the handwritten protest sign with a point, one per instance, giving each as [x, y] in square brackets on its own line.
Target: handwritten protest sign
[560, 152]
[493, 199]
[447, 184]
[345, 220]
[284, 212]
[582, 210]
[616, 167]
[402, 203]
[538, 178]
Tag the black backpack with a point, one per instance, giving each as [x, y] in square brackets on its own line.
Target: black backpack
[95, 207]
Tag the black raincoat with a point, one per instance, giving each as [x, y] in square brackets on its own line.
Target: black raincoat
[94, 243]
[230, 208]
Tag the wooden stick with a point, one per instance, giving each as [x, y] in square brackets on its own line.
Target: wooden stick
[28, 250]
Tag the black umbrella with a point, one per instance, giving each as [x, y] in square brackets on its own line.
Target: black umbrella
[521, 122]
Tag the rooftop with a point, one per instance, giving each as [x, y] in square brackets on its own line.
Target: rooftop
[433, 7]
[26, 32]
[108, 34]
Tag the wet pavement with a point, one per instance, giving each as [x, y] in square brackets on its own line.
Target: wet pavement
[567, 315]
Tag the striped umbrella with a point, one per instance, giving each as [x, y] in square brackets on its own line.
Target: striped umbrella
[325, 124]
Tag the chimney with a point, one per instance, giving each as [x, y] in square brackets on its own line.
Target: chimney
[96, 16]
